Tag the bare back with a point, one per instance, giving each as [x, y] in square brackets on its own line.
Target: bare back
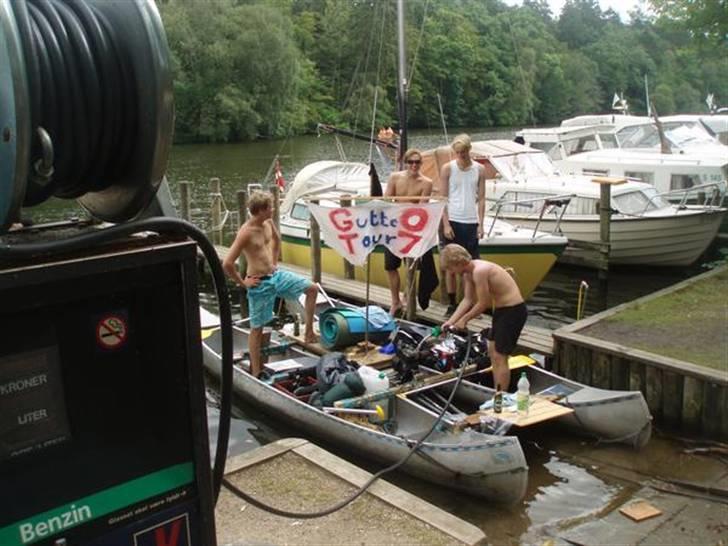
[402, 184]
[501, 287]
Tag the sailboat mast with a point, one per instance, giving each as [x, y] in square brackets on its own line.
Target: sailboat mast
[402, 84]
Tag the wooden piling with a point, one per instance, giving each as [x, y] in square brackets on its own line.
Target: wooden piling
[605, 217]
[242, 196]
[653, 390]
[315, 247]
[672, 398]
[276, 192]
[345, 201]
[185, 209]
[410, 288]
[692, 402]
[216, 210]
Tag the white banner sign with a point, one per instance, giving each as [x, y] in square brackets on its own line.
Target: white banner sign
[408, 230]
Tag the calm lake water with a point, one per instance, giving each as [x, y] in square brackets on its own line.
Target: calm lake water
[560, 487]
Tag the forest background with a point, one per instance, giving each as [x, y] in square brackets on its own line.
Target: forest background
[247, 69]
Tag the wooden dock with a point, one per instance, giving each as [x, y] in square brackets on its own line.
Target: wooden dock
[533, 339]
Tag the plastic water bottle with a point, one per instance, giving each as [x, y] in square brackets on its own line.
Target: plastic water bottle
[523, 394]
[498, 400]
[374, 380]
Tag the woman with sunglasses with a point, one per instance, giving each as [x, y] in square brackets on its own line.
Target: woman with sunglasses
[417, 188]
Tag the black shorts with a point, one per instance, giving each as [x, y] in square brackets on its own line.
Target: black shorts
[507, 325]
[465, 235]
[391, 261]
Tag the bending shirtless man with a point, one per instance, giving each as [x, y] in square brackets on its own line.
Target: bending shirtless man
[488, 285]
[413, 184]
[259, 241]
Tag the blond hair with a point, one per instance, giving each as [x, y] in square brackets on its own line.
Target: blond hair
[454, 255]
[461, 143]
[412, 151]
[260, 201]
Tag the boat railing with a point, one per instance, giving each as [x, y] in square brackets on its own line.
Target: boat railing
[710, 199]
[560, 202]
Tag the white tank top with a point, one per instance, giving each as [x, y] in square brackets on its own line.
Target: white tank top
[463, 194]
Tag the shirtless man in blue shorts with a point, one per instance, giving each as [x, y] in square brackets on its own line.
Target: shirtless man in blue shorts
[259, 241]
[488, 286]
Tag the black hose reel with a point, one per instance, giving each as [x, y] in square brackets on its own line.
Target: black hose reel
[86, 107]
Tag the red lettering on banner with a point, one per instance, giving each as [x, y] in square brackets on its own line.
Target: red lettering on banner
[420, 217]
[161, 538]
[414, 240]
[345, 225]
[348, 238]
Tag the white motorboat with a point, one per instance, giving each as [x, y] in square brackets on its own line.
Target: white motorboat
[645, 228]
[631, 147]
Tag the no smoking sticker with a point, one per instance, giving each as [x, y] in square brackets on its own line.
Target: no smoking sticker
[111, 332]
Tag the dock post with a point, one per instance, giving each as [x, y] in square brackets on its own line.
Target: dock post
[276, 192]
[184, 200]
[216, 210]
[345, 201]
[315, 248]
[242, 196]
[411, 288]
[605, 216]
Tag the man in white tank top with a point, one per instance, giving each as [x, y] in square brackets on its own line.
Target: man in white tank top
[463, 184]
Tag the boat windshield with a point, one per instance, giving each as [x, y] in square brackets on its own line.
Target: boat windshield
[522, 166]
[300, 212]
[639, 201]
[679, 134]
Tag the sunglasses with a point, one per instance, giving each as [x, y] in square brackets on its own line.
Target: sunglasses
[414, 161]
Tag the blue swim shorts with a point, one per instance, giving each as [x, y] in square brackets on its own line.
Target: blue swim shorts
[262, 298]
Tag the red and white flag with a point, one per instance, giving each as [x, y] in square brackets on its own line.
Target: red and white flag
[280, 181]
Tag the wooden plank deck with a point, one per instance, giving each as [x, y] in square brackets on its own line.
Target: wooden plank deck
[533, 338]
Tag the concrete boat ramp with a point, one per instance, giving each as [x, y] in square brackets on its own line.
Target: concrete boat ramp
[296, 475]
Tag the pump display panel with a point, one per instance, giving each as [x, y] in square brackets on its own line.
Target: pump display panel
[32, 406]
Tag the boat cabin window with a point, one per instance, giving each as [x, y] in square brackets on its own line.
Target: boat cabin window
[638, 201]
[580, 144]
[551, 148]
[595, 172]
[523, 165]
[678, 134]
[608, 140]
[300, 212]
[683, 181]
[646, 177]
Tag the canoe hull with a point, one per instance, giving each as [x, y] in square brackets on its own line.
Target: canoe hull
[492, 467]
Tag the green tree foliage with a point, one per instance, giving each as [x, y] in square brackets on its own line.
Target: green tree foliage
[246, 69]
[236, 68]
[706, 20]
